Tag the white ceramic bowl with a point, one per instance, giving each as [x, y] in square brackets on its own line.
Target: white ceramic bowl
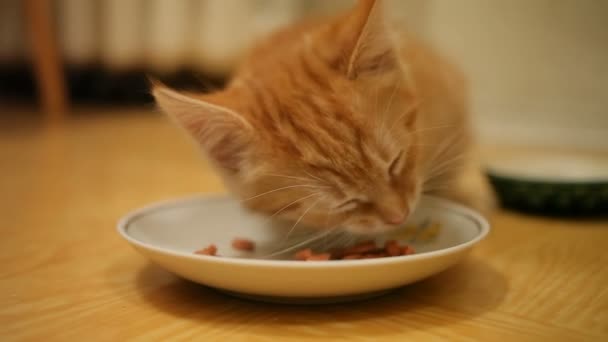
[168, 233]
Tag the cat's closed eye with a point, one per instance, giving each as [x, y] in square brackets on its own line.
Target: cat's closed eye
[396, 166]
[348, 205]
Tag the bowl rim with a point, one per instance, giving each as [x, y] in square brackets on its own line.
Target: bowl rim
[553, 182]
[497, 170]
[123, 224]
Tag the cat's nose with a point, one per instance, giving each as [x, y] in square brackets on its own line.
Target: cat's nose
[396, 217]
[392, 209]
[394, 214]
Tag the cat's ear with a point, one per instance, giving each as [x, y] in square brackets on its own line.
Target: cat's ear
[367, 41]
[222, 133]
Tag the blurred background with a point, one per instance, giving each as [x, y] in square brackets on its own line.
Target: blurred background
[538, 67]
[81, 145]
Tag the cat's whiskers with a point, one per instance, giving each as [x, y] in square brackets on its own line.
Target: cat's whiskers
[417, 131]
[376, 107]
[444, 147]
[322, 234]
[423, 145]
[289, 177]
[406, 134]
[344, 240]
[430, 183]
[292, 203]
[388, 107]
[436, 182]
[314, 177]
[443, 172]
[408, 110]
[301, 217]
[435, 171]
[329, 213]
[444, 165]
[435, 189]
[283, 188]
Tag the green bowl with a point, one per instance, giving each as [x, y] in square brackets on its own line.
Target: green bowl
[556, 185]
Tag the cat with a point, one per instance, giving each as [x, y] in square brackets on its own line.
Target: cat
[338, 122]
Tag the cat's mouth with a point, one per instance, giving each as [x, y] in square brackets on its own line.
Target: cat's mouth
[376, 226]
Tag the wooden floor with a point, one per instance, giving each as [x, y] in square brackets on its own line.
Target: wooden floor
[66, 275]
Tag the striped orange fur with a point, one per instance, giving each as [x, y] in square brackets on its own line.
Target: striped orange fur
[337, 122]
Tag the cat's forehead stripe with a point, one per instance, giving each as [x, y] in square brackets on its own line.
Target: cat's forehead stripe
[332, 135]
[312, 75]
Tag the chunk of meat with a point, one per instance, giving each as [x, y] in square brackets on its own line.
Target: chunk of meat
[209, 250]
[243, 244]
[362, 250]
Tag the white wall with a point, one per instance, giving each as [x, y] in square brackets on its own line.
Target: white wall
[539, 67]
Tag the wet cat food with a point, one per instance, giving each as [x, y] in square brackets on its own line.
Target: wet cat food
[243, 245]
[363, 250]
[319, 257]
[209, 250]
[303, 254]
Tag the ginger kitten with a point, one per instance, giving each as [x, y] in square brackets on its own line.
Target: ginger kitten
[338, 122]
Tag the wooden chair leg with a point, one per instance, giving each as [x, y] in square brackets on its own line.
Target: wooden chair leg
[46, 58]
